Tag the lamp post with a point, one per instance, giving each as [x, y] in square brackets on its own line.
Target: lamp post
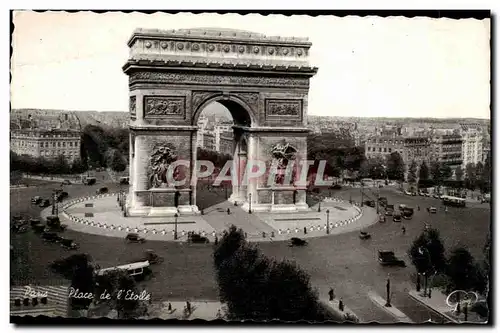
[249, 203]
[388, 291]
[175, 226]
[327, 221]
[422, 250]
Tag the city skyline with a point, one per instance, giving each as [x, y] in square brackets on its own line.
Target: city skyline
[350, 65]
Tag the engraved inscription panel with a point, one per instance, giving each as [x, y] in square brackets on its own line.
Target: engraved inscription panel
[161, 106]
[277, 108]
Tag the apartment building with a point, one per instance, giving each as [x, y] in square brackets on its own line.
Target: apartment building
[46, 143]
[381, 146]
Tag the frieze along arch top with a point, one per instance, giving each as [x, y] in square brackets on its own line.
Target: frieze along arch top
[173, 75]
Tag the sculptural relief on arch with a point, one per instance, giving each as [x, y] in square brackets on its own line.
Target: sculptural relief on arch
[173, 75]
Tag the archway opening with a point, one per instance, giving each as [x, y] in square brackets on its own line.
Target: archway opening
[220, 141]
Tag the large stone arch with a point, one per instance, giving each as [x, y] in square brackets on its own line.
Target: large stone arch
[174, 75]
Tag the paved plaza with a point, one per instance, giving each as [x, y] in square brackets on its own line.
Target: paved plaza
[102, 215]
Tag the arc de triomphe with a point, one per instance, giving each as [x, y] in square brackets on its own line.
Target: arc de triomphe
[173, 75]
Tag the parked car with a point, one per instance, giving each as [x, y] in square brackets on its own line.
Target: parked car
[364, 235]
[34, 222]
[381, 218]
[54, 223]
[413, 194]
[38, 228]
[197, 238]
[388, 258]
[51, 237]
[68, 244]
[66, 182]
[401, 206]
[61, 196]
[407, 192]
[102, 190]
[19, 228]
[396, 217]
[152, 257]
[389, 210]
[36, 200]
[432, 210]
[134, 238]
[407, 213]
[124, 180]
[44, 203]
[336, 187]
[382, 201]
[370, 203]
[436, 196]
[295, 241]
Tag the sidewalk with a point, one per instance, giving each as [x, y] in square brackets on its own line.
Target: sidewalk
[393, 311]
[438, 304]
[334, 307]
[209, 310]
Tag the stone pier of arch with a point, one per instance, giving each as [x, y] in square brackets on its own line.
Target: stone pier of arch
[173, 75]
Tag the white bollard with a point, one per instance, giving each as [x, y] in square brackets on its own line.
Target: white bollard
[311, 228]
[279, 231]
[296, 230]
[183, 233]
[163, 232]
[287, 231]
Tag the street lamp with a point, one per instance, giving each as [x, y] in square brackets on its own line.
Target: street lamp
[175, 226]
[327, 221]
[388, 291]
[249, 203]
[423, 250]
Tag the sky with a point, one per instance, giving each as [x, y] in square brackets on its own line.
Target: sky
[368, 66]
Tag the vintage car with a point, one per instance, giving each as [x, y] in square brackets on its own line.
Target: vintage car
[407, 192]
[66, 182]
[382, 201]
[152, 257]
[388, 258]
[61, 195]
[389, 210]
[381, 218]
[124, 180]
[370, 203]
[102, 190]
[54, 223]
[19, 228]
[364, 235]
[51, 237]
[44, 203]
[396, 217]
[34, 222]
[134, 238]
[36, 200]
[38, 228]
[295, 241]
[432, 210]
[68, 244]
[197, 238]
[407, 213]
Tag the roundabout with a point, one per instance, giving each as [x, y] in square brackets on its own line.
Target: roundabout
[102, 215]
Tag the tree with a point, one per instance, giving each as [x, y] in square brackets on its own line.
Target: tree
[121, 286]
[427, 252]
[412, 172]
[117, 162]
[470, 176]
[436, 173]
[395, 167]
[423, 173]
[487, 174]
[83, 280]
[459, 174]
[445, 171]
[78, 166]
[255, 287]
[464, 272]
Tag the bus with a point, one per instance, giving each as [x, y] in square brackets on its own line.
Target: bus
[134, 269]
[453, 201]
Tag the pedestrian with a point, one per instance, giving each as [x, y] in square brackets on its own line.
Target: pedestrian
[429, 292]
[341, 305]
[305, 230]
[169, 307]
[403, 229]
[331, 294]
[418, 207]
[218, 314]
[216, 241]
[228, 211]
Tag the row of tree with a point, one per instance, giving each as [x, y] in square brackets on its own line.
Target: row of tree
[461, 270]
[41, 165]
[255, 287]
[105, 147]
